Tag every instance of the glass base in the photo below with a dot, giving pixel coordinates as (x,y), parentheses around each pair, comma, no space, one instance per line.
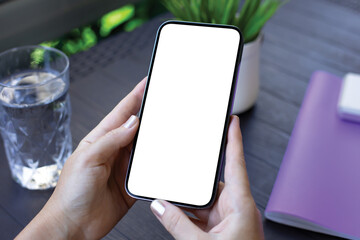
(36,178)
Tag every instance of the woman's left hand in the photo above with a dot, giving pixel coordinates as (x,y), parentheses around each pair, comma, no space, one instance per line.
(90,197)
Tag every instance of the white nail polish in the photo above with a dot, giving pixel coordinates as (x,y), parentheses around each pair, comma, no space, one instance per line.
(130,122)
(158,208)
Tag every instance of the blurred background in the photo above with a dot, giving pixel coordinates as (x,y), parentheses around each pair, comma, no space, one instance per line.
(70,25)
(76,25)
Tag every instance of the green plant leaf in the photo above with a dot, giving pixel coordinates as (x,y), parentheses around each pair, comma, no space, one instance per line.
(243,10)
(176,8)
(195,10)
(264,13)
(227,11)
(134,23)
(251,18)
(205,11)
(233,11)
(182,10)
(219,10)
(115,18)
(213,11)
(251,9)
(188,10)
(168,4)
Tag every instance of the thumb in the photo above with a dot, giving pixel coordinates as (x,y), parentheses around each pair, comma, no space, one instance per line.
(105,147)
(175,220)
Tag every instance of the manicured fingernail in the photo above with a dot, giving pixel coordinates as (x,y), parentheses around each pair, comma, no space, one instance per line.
(157,207)
(130,122)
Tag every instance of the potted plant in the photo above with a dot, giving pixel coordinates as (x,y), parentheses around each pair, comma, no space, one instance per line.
(249,16)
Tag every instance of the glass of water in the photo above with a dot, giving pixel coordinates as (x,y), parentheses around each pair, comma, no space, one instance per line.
(35,114)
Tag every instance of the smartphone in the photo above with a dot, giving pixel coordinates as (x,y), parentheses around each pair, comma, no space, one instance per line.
(178,150)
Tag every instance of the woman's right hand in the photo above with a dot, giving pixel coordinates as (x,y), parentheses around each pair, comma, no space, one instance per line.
(234,214)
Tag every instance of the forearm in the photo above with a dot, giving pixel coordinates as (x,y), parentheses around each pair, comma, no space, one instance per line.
(50,223)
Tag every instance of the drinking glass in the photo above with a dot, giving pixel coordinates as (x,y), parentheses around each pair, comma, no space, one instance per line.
(35,114)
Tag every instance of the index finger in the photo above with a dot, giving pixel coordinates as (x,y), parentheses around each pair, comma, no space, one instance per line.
(235,167)
(130,105)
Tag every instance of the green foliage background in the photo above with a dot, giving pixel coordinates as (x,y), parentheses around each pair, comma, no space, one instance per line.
(249,15)
(126,18)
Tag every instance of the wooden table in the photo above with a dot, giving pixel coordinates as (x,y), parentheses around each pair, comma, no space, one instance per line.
(305,35)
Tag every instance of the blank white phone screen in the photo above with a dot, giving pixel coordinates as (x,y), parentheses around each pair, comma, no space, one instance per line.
(184,114)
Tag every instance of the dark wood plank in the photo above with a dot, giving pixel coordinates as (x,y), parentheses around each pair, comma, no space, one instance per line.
(20,203)
(276,112)
(328,11)
(282,85)
(140,223)
(82,120)
(337,34)
(262,140)
(292,62)
(9,227)
(99,92)
(311,47)
(115,234)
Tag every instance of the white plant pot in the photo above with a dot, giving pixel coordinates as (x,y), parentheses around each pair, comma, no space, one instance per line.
(247,87)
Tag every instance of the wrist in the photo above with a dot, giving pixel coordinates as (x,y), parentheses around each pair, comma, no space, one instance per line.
(51,223)
(64,226)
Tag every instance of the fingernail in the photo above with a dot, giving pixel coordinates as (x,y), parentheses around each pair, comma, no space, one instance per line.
(130,122)
(157,207)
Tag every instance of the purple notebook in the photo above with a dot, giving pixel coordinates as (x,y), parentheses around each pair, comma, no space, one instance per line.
(318,184)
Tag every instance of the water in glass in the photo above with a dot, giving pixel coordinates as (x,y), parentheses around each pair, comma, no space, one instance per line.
(35,126)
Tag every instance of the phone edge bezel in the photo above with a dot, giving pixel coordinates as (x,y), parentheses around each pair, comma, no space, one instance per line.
(227,117)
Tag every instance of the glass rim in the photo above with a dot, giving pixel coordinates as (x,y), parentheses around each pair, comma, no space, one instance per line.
(34,47)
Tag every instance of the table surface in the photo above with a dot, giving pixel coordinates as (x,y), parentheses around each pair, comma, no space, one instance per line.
(304,36)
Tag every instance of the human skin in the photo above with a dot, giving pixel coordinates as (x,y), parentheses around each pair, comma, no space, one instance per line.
(90,198)
(234,214)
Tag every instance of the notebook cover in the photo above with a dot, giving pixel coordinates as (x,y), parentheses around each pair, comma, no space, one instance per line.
(319,178)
